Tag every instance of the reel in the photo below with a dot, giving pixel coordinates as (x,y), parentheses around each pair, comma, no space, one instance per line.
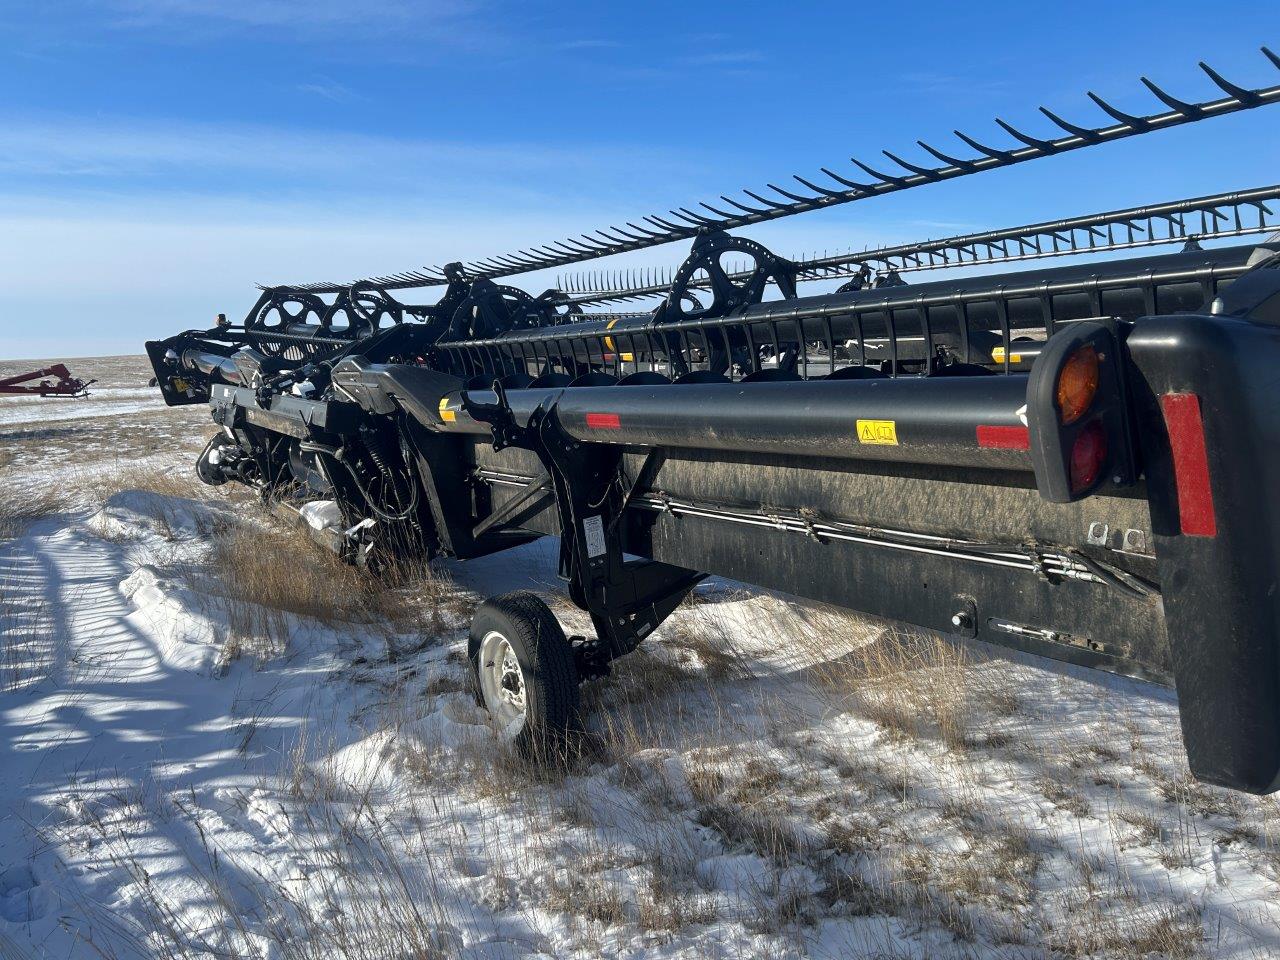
(727,293)
(489,310)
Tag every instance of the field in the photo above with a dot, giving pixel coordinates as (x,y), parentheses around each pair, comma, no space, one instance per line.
(220,743)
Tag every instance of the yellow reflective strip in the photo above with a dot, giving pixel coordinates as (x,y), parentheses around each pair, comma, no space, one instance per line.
(882,432)
(997,355)
(447,415)
(608,341)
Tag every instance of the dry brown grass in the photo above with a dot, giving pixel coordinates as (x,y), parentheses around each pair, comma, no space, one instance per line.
(264,581)
(26,628)
(914,685)
(21,507)
(285,572)
(180,484)
(1171,933)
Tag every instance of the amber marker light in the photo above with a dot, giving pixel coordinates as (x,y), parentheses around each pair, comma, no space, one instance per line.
(1077,384)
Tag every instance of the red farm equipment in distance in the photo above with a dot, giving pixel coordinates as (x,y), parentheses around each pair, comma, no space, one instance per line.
(53,381)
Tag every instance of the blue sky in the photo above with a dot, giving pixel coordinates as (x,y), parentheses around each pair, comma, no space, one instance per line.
(158,157)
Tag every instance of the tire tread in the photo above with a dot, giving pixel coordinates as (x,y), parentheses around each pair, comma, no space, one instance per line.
(526,620)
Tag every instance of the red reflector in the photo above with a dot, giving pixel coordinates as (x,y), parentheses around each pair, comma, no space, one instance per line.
(1004,438)
(603,421)
(1088,454)
(1190,464)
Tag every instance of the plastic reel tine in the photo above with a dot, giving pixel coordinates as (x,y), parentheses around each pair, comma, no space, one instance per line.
(501,264)
(965,165)
(1004,156)
(521,258)
(895,181)
(824,191)
(696,219)
(1128,119)
(750,211)
(1084,133)
(508,264)
(481,266)
(724,217)
(767,202)
(1026,138)
(865,189)
(1173,103)
(657,221)
(579,248)
(917,170)
(652,234)
(1229,88)
(793,196)
(563,248)
(633,237)
(610,237)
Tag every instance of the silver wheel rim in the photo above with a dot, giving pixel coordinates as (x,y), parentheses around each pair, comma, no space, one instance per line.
(502,685)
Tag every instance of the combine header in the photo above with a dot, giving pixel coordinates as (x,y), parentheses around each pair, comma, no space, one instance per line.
(1073,460)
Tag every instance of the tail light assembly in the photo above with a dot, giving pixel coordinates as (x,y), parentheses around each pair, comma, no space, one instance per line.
(1077,414)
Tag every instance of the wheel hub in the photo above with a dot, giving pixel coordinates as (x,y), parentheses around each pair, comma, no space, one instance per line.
(511,680)
(502,684)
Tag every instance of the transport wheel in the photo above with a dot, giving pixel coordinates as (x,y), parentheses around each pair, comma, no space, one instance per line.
(524,673)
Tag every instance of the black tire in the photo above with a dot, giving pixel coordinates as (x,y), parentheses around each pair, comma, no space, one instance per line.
(548,673)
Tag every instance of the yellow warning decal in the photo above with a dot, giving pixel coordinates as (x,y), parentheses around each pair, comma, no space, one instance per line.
(883,432)
(997,355)
(447,415)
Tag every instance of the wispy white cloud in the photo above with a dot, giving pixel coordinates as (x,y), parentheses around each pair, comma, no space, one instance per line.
(74,154)
(724,58)
(589,44)
(329,90)
(388,14)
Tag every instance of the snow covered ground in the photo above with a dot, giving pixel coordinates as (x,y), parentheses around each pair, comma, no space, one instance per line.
(206,757)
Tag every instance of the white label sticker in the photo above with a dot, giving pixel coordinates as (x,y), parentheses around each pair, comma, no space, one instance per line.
(594,529)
